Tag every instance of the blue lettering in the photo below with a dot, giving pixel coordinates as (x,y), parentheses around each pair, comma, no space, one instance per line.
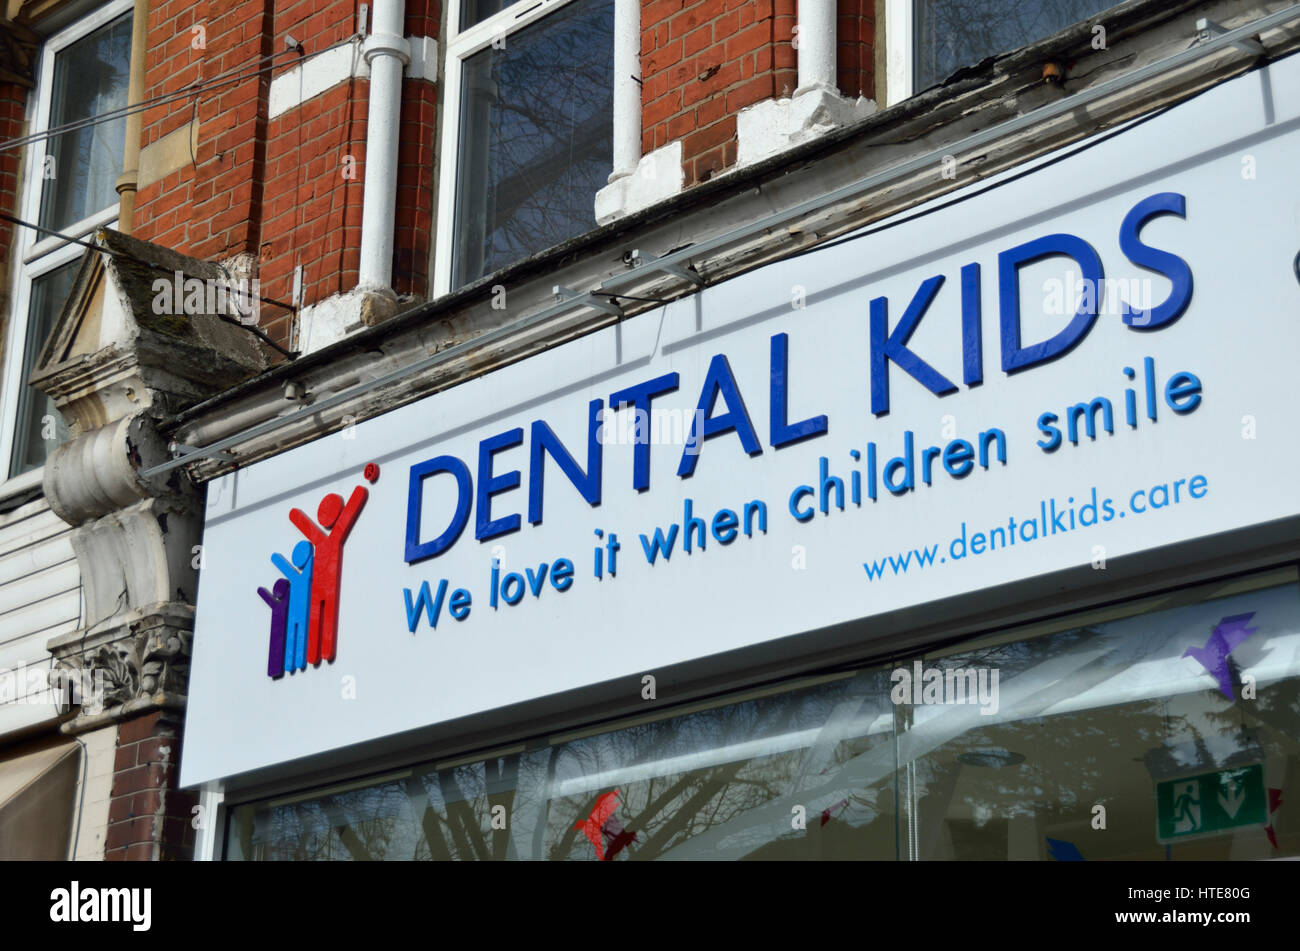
(544,440)
(1162,262)
(719,380)
(885,346)
(415,549)
(1015,357)
(781,432)
(490,485)
(639,397)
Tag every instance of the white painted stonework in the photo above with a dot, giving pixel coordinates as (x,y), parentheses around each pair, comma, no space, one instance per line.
(320,73)
(658,176)
(774,125)
(330,320)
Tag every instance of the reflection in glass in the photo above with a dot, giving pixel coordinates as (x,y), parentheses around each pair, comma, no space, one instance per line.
(476,11)
(955,33)
(536,139)
(40,426)
(1090,711)
(807,774)
(82,166)
(1099,715)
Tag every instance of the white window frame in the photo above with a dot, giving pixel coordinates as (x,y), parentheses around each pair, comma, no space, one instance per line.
(899,50)
(460,47)
(36,254)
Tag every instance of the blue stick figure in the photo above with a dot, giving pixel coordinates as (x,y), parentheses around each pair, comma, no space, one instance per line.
(295,628)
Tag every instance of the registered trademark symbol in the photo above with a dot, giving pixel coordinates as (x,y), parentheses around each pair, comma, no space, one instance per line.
(371,472)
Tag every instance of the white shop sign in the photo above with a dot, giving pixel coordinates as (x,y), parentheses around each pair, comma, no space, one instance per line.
(1106,365)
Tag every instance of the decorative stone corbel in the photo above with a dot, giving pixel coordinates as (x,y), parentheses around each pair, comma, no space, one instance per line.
(118,363)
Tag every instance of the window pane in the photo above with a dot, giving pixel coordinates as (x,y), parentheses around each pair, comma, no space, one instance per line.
(90,79)
(1131,715)
(1180,722)
(955,33)
(720,783)
(40,426)
(535,139)
(476,11)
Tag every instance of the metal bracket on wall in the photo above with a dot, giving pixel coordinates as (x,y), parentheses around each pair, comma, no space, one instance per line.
(638,258)
(1207,29)
(565,295)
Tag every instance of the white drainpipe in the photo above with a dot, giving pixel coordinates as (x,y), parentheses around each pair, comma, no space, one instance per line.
(627,91)
(816,44)
(386,53)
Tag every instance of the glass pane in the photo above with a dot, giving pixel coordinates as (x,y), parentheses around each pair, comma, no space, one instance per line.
(1179,723)
(90,79)
(806,774)
(1174,723)
(955,33)
(40,426)
(476,11)
(536,140)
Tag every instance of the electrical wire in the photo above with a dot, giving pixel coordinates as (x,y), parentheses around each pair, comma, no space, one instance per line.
(292,355)
(122,112)
(194,90)
(1090,143)
(894,222)
(230,77)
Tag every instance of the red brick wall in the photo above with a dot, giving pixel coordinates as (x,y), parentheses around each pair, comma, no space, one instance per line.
(702,61)
(149,819)
(287,190)
(856,49)
(313,212)
(208,208)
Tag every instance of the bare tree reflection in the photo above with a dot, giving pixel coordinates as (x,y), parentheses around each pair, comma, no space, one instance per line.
(536,138)
(956,33)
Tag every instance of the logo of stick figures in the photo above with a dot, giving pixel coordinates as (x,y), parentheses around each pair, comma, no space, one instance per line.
(305,602)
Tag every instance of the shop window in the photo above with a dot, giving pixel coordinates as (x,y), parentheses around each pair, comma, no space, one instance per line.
(1120,736)
(1169,724)
(931,39)
(529,131)
(69,187)
(709,783)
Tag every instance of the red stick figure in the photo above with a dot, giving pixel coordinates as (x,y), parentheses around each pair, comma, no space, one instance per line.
(336,521)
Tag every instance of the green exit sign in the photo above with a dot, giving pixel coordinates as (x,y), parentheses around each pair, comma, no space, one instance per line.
(1210,803)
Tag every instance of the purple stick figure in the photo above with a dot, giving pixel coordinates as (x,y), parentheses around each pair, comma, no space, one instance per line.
(279,603)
